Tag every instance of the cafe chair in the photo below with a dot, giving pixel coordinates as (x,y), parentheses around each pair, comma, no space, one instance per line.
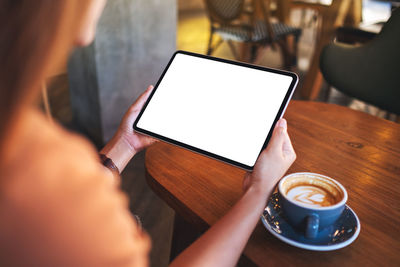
(369,72)
(240,21)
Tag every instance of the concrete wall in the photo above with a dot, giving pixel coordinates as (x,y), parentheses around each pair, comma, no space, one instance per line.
(134,41)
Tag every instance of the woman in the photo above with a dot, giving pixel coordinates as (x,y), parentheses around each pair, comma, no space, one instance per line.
(58,205)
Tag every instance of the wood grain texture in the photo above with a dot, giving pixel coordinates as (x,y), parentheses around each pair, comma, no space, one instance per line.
(361,151)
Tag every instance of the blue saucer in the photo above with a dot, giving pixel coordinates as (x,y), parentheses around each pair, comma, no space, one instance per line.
(342,233)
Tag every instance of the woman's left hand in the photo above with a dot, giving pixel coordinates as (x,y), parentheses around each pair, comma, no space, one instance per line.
(126,142)
(136,141)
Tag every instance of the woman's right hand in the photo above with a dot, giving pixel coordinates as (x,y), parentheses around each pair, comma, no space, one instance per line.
(224,242)
(273,161)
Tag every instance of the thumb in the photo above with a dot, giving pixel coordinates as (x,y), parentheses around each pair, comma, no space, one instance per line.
(278,135)
(287,147)
(141,99)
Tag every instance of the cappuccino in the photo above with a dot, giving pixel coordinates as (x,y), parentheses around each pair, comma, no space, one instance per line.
(312,191)
(311,196)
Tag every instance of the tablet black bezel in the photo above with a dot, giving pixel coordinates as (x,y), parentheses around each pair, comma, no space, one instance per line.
(282,108)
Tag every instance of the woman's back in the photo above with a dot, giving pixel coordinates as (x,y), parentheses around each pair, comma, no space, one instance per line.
(59,206)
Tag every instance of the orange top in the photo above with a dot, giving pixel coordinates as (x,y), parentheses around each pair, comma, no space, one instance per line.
(59,206)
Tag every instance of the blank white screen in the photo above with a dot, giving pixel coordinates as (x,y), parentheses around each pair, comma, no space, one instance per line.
(221,108)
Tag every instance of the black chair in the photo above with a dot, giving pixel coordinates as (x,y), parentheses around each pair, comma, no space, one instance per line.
(370,72)
(238,21)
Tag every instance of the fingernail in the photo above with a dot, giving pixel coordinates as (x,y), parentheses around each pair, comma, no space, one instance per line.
(149,89)
(282,123)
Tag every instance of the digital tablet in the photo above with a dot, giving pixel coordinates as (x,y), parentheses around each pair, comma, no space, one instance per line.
(219,108)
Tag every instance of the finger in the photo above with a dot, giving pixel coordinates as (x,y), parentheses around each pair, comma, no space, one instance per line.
(278,134)
(149,89)
(287,146)
(275,144)
(142,99)
(281,123)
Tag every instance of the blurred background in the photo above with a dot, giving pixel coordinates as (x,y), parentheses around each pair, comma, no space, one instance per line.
(135,39)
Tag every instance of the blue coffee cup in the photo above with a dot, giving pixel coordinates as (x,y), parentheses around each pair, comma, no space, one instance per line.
(311,201)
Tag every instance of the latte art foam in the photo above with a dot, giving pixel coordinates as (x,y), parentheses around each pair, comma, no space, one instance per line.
(311,196)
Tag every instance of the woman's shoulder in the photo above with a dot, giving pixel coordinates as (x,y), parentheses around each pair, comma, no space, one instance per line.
(40,137)
(42,151)
(48,139)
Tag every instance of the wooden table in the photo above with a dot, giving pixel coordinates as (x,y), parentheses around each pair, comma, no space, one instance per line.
(359,150)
